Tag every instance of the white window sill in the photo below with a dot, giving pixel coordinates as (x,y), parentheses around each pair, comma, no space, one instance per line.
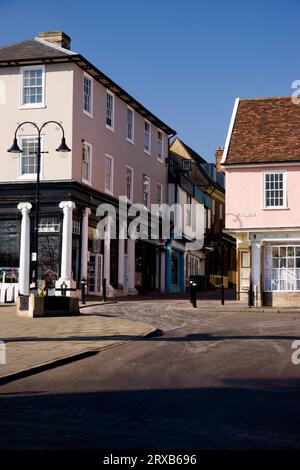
(147,152)
(111,129)
(29,177)
(107,191)
(130,141)
(33,106)
(86,182)
(276,208)
(160,160)
(88,114)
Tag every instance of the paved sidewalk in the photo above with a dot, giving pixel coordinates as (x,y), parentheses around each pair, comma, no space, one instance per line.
(39,341)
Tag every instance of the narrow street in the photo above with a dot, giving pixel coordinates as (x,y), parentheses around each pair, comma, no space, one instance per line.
(213,378)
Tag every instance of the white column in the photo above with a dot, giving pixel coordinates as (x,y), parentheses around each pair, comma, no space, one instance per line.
(162,271)
(106,268)
(24,268)
(84,242)
(256,271)
(131,267)
(121,260)
(66,251)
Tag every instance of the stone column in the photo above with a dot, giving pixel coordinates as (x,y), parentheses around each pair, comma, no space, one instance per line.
(24,267)
(66,251)
(106,268)
(256,271)
(162,271)
(131,267)
(84,243)
(121,261)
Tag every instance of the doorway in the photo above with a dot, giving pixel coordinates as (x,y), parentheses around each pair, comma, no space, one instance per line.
(95,274)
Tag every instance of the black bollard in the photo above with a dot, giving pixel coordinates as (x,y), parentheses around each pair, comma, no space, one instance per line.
(194,294)
(104,290)
(83,291)
(191,291)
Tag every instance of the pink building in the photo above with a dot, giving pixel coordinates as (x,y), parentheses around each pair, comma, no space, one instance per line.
(262,166)
(118,148)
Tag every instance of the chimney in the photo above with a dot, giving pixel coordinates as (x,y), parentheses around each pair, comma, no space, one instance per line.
(218,157)
(58,38)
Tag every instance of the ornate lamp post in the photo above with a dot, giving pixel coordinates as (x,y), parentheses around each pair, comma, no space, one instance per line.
(16,149)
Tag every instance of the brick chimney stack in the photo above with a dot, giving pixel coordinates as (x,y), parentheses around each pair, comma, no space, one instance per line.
(59,38)
(218,157)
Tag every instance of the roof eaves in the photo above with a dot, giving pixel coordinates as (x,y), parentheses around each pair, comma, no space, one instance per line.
(83,63)
(87,66)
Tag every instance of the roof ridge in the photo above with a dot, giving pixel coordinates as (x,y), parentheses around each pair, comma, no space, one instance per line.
(267,98)
(16,43)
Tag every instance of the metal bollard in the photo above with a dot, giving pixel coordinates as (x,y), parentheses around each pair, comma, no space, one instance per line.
(63,288)
(104,290)
(83,284)
(193,293)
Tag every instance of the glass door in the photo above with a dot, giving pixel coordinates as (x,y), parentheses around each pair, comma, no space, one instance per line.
(95,274)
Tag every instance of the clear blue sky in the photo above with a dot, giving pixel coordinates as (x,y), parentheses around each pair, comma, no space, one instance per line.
(186,60)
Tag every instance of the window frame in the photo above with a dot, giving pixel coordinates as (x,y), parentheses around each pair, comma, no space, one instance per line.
(129,108)
(284,189)
(112,127)
(148,152)
(132,179)
(146,178)
(30,176)
(281,275)
(109,191)
(88,77)
(32,105)
(159,185)
(89,145)
(159,131)
(189,208)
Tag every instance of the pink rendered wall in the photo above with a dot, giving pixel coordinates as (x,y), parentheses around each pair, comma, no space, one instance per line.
(103,140)
(245,198)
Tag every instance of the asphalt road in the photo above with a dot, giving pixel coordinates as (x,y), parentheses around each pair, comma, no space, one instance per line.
(213,380)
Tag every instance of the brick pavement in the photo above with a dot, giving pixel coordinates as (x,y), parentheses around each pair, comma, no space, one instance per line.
(31,342)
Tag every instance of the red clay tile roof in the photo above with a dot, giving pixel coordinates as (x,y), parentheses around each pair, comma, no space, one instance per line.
(265,130)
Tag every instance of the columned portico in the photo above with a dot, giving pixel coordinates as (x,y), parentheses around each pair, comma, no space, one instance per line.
(84,243)
(66,251)
(24,268)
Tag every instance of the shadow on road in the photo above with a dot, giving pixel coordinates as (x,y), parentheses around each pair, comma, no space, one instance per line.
(202,418)
(205,337)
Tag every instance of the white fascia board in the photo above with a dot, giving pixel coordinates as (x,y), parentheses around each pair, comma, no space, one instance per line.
(235,107)
(54,46)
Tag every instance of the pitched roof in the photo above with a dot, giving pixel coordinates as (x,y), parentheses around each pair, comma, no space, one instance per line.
(35,51)
(180,147)
(265,130)
(31,49)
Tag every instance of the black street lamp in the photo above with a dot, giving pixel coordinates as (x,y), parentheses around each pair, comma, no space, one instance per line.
(16,149)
